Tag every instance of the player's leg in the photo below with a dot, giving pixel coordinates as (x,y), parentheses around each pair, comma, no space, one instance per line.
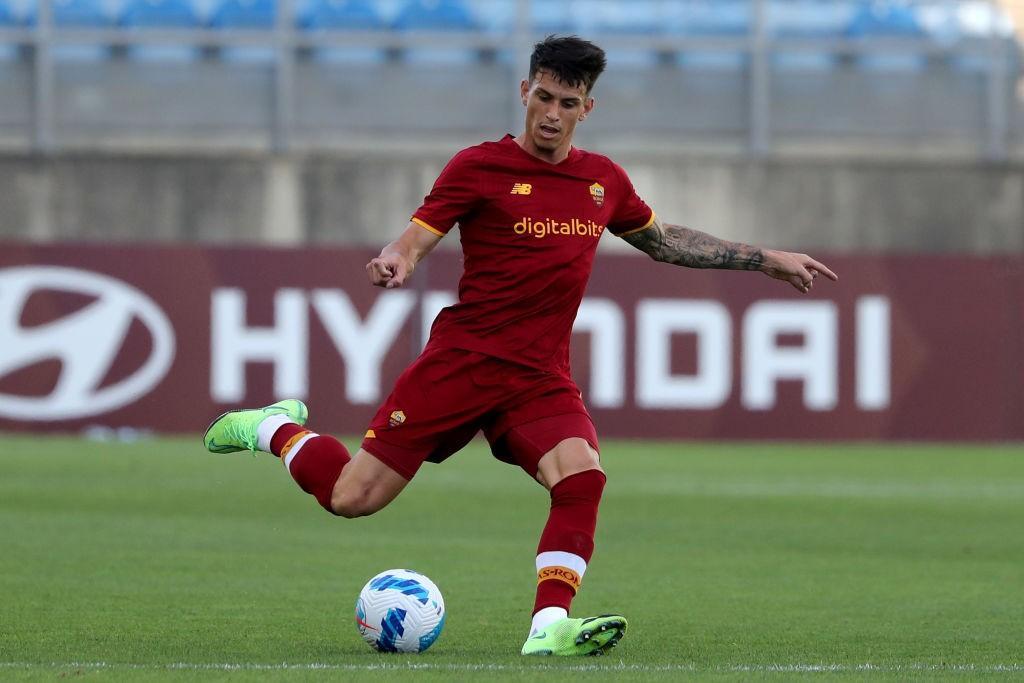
(440,421)
(319,464)
(561,453)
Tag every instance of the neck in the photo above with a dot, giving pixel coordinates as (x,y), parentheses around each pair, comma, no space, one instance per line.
(552,156)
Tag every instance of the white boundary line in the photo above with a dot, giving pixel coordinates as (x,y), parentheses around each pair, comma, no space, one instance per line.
(621,666)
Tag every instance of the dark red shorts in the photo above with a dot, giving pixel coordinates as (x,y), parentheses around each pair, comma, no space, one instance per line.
(446,396)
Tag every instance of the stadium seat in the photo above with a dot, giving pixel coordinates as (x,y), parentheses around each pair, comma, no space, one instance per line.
(81,13)
(150,14)
(8,52)
(813,19)
(158,14)
(250,14)
(245,14)
(641,18)
(7,16)
(709,18)
(889,19)
(550,17)
(437,15)
(342,15)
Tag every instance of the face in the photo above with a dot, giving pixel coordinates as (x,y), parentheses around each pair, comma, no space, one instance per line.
(552,111)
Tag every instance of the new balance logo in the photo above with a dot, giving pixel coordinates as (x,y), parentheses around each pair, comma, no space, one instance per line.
(522,188)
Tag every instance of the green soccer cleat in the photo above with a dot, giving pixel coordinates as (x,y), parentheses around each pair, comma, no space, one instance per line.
(235,430)
(578,637)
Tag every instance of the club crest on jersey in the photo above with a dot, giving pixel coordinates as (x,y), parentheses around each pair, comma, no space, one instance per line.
(597,193)
(521,188)
(397,418)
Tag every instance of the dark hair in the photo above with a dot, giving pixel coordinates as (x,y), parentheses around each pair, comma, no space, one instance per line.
(570,59)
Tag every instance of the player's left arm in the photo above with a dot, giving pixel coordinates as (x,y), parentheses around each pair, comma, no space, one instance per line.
(683,246)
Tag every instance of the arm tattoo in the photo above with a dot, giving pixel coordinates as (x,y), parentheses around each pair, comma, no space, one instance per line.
(694,249)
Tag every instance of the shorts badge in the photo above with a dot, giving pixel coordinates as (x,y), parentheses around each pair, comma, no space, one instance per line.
(597,193)
(397,418)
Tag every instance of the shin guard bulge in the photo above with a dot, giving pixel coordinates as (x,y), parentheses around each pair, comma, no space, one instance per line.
(567,543)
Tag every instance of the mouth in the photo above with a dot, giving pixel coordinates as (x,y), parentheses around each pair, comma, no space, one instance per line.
(548,131)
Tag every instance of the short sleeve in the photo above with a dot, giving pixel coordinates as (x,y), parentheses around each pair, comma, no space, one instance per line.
(631,213)
(454,196)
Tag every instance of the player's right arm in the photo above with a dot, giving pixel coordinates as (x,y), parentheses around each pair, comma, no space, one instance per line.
(455,195)
(399,258)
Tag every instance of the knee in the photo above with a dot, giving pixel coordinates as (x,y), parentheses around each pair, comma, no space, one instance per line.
(572,456)
(350,504)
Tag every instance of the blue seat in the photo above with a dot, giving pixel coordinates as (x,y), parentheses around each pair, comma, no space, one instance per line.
(147,14)
(246,14)
(346,15)
(437,15)
(342,15)
(81,13)
(7,19)
(808,19)
(884,18)
(550,17)
(638,17)
(159,14)
(251,14)
(877,18)
(6,16)
(710,18)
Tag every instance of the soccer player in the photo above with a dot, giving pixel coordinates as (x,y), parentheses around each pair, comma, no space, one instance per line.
(530,211)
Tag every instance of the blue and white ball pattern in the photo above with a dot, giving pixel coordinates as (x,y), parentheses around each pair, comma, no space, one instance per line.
(400,611)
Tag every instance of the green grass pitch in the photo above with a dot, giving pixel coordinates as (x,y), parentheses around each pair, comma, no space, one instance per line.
(157,561)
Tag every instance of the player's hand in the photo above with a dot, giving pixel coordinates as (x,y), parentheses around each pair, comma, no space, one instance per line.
(388,271)
(799,270)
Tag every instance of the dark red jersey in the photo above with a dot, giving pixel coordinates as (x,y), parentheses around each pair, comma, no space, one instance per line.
(529,231)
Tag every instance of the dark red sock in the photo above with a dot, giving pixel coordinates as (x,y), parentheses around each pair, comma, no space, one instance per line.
(283,435)
(570,529)
(317,464)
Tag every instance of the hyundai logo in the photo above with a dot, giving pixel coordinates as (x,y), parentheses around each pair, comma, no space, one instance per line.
(87,343)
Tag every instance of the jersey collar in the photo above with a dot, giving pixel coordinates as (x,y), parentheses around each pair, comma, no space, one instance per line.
(571,158)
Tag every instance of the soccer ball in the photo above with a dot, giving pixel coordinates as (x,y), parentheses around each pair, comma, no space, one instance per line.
(400,611)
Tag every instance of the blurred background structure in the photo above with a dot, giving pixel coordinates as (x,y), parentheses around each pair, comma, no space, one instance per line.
(807,123)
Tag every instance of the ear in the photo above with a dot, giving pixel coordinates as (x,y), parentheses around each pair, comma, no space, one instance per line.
(524,90)
(588,106)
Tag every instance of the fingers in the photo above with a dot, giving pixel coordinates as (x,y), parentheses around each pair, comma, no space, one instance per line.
(380,272)
(814,266)
(398,276)
(800,284)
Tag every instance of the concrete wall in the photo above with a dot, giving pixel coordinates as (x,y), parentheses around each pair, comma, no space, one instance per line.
(366,198)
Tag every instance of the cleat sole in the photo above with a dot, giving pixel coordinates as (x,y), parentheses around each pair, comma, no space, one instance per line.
(605,637)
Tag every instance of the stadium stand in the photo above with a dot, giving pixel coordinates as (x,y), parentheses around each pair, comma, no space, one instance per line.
(894,58)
